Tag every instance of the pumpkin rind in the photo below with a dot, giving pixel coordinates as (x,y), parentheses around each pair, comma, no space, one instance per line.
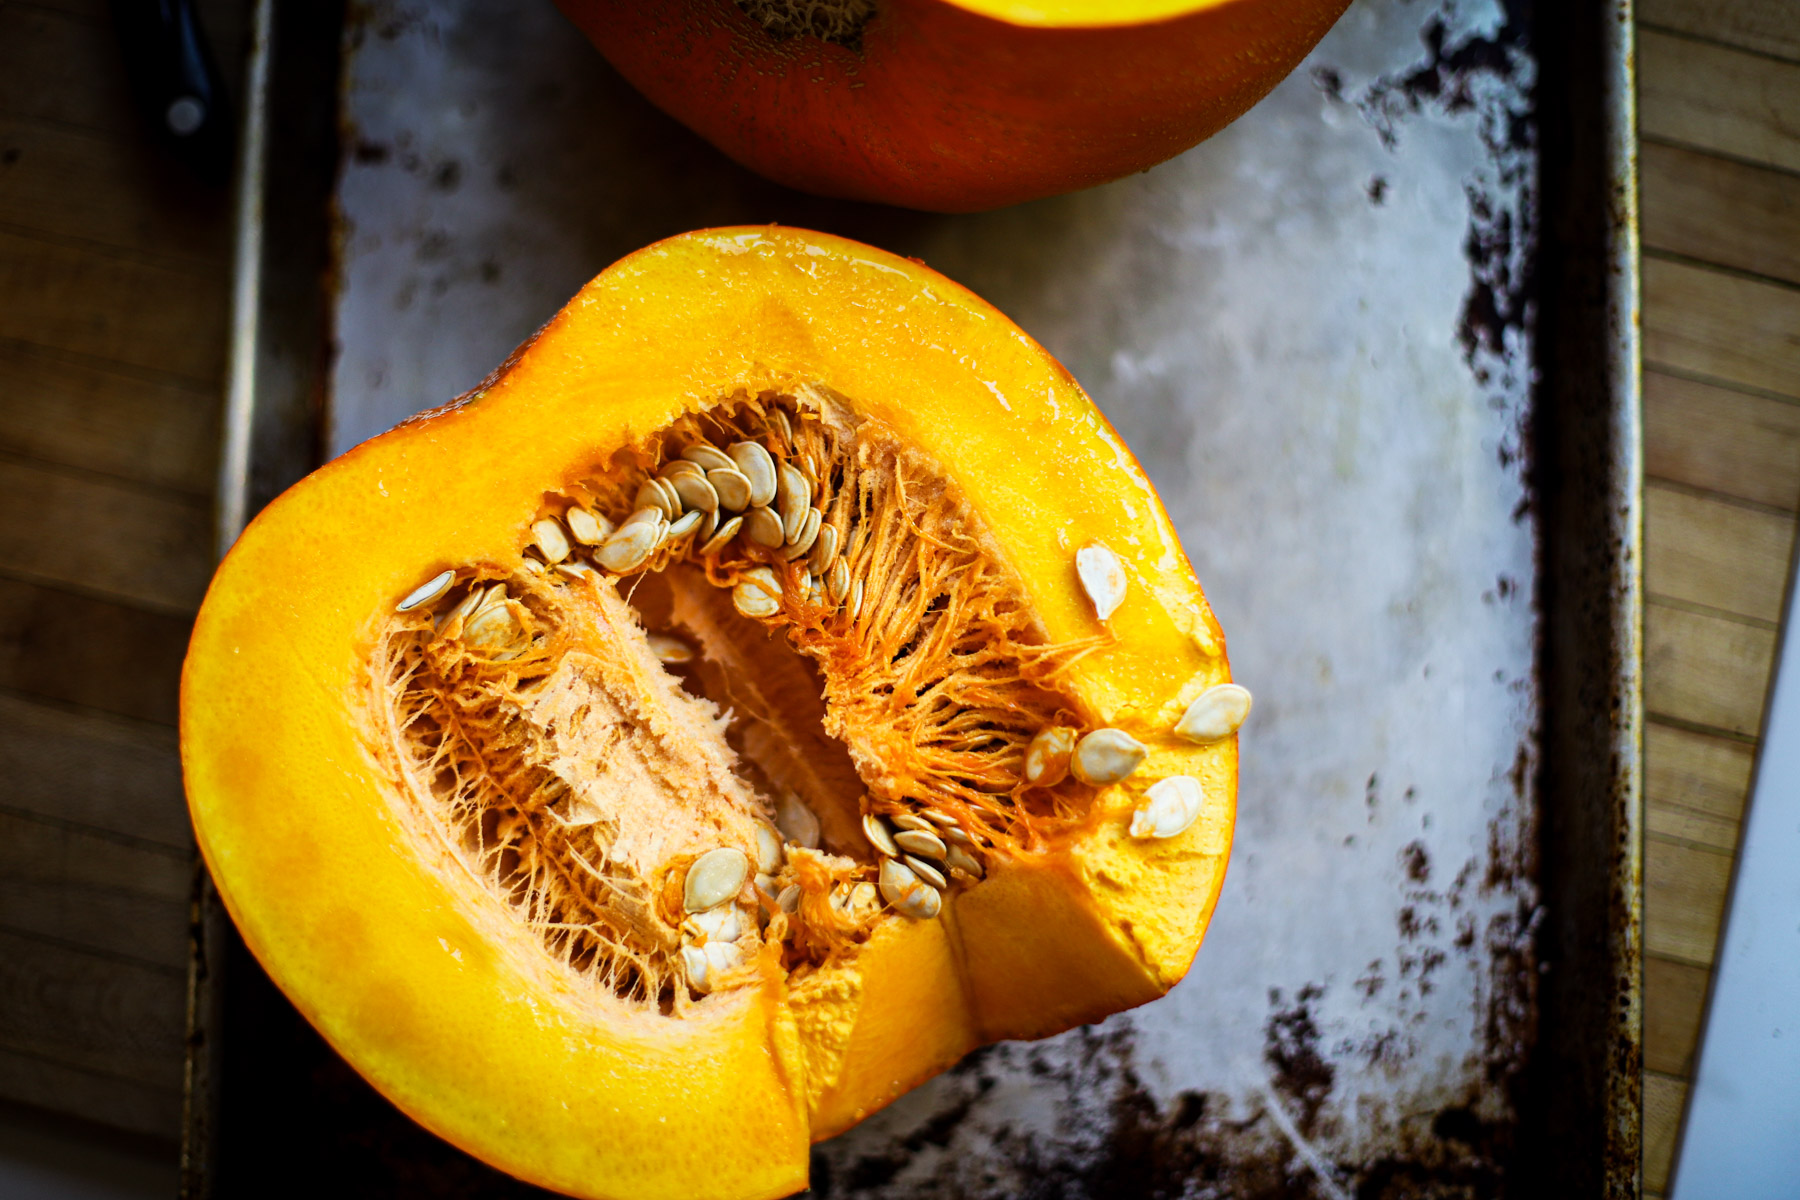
(429,989)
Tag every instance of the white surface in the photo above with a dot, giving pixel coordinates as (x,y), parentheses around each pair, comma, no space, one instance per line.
(1742,1138)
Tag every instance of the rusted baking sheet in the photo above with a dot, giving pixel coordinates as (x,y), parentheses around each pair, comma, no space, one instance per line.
(1375,345)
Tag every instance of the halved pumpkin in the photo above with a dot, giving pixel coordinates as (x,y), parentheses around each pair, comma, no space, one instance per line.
(953,105)
(630,830)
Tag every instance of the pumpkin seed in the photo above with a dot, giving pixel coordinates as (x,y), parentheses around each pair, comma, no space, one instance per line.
(428,591)
(912,821)
(856,599)
(1168,808)
(654,493)
(709,525)
(961,861)
(732,487)
(837,581)
(723,956)
(939,818)
(757,466)
(492,628)
(723,923)
(669,649)
(707,457)
(575,569)
(768,850)
(465,608)
(679,466)
(956,836)
(917,841)
(552,543)
(798,823)
(795,497)
(688,522)
(1047,757)
(695,491)
(863,897)
(909,895)
(824,550)
(714,878)
(764,528)
(724,534)
(630,546)
(535,566)
(789,900)
(1102,578)
(784,429)
(1215,714)
(879,837)
(693,961)
(649,514)
(1106,756)
(839,896)
(927,871)
(585,527)
(758,593)
(803,541)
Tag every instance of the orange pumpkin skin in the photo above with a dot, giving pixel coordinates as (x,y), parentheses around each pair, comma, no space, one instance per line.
(427,986)
(949,110)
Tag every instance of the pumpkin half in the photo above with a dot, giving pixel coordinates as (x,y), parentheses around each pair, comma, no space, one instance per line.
(953,105)
(776,680)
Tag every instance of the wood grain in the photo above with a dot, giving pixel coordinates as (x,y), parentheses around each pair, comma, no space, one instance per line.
(1722,440)
(1664,1097)
(1705,774)
(91,652)
(1716,553)
(93,771)
(113,306)
(88,891)
(1737,331)
(1684,193)
(76,412)
(1684,897)
(140,546)
(61,69)
(1740,105)
(1674,998)
(117,1019)
(128,1104)
(1767,26)
(1703,669)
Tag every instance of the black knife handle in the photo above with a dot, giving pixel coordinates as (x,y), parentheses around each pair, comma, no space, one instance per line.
(175,82)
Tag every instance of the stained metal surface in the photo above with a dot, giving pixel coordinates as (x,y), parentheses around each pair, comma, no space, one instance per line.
(1317,331)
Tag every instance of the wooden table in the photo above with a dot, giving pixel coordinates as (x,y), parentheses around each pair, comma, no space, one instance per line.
(113,292)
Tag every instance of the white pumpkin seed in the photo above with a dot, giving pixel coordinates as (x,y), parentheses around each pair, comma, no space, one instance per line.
(723,923)
(824,550)
(917,841)
(680,466)
(1106,756)
(695,491)
(757,466)
(687,523)
(768,850)
(879,837)
(955,836)
(733,489)
(798,823)
(707,456)
(670,649)
(723,956)
(961,861)
(693,961)
(1215,714)
(465,608)
(784,428)
(630,546)
(1169,806)
(535,566)
(763,528)
(492,628)
(552,543)
(649,514)
(428,591)
(575,569)
(927,871)
(789,900)
(939,818)
(909,895)
(721,536)
(856,599)
(839,896)
(758,593)
(1102,578)
(837,581)
(796,498)
(803,541)
(714,878)
(912,821)
(1047,757)
(654,493)
(863,897)
(585,527)
(709,525)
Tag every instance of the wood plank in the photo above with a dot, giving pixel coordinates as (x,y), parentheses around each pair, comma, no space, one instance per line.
(62,69)
(108,306)
(1684,899)
(95,771)
(1713,98)
(91,652)
(1674,999)
(1722,440)
(119,540)
(87,890)
(1706,670)
(1767,26)
(1717,553)
(1686,825)
(1719,211)
(122,1020)
(1663,1100)
(153,1109)
(80,185)
(1703,774)
(79,413)
(1737,331)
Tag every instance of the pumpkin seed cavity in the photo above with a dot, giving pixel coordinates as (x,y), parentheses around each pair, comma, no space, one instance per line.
(755,685)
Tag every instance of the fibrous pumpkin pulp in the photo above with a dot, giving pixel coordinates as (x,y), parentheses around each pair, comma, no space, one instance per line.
(953,105)
(774,682)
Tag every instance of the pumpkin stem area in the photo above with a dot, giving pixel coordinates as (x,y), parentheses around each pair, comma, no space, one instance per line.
(751,687)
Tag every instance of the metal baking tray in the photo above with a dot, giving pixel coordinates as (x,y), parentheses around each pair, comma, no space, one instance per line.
(1375,343)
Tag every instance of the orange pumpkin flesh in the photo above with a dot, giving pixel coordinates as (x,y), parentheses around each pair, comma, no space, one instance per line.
(953,105)
(390,802)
